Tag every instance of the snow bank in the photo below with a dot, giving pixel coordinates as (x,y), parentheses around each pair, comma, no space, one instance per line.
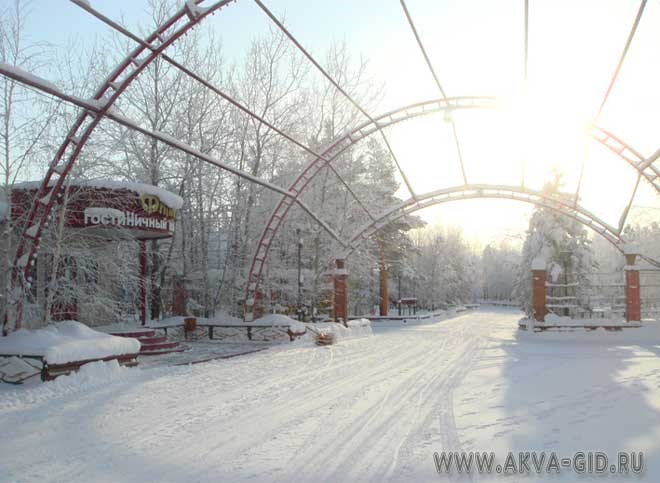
(67,341)
(636,336)
(552,320)
(90,377)
(562,321)
(279,319)
(356,328)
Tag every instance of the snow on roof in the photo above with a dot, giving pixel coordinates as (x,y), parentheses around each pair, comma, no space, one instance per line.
(170,199)
(66,341)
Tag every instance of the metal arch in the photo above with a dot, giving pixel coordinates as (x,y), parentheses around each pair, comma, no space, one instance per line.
(325,74)
(622,58)
(218,92)
(52,186)
(328,155)
(170,141)
(465,192)
(635,159)
(187,17)
(644,166)
(420,44)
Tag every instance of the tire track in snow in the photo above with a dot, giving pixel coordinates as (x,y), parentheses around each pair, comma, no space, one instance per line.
(357,430)
(287,413)
(386,434)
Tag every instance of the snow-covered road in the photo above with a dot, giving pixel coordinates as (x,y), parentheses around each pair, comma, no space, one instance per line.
(371,409)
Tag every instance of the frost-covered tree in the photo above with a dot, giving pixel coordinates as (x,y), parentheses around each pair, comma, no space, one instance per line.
(445,268)
(499,264)
(562,242)
(25,121)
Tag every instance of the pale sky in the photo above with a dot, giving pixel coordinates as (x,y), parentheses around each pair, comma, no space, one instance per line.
(476,47)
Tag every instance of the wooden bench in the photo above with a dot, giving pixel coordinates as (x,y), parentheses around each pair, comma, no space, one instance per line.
(51,371)
(286,329)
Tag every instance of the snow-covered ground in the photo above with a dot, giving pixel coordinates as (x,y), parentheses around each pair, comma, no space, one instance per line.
(373,408)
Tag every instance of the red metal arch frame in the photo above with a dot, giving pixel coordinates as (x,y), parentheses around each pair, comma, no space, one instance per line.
(643,166)
(465,192)
(52,186)
(328,155)
(148,50)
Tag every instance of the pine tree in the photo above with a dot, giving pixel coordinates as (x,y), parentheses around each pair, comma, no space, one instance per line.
(562,242)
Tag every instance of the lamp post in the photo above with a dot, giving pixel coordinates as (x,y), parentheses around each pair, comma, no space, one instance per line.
(300,282)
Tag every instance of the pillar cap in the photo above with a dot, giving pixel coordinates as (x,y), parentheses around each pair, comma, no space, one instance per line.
(538,263)
(630,249)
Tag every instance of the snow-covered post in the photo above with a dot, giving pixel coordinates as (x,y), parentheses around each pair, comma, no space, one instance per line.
(340,278)
(143,282)
(384,297)
(538,289)
(179,306)
(633,302)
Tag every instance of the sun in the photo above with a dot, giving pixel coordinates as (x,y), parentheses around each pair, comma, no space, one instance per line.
(549,131)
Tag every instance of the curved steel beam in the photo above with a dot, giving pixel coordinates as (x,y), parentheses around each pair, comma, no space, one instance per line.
(128,34)
(164,138)
(635,159)
(52,186)
(644,166)
(337,147)
(517,193)
(339,88)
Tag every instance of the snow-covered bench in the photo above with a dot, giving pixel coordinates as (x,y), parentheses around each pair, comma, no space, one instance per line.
(64,347)
(556,323)
(292,328)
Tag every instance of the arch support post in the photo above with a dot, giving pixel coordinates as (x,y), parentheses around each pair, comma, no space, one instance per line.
(633,299)
(384,297)
(382,269)
(538,289)
(143,282)
(340,297)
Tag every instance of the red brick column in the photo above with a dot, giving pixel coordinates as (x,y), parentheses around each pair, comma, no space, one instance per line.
(179,305)
(538,290)
(258,308)
(143,282)
(340,304)
(384,297)
(633,301)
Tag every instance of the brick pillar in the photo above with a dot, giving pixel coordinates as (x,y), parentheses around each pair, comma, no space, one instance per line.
(258,309)
(384,297)
(143,282)
(179,306)
(538,290)
(633,301)
(341,291)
